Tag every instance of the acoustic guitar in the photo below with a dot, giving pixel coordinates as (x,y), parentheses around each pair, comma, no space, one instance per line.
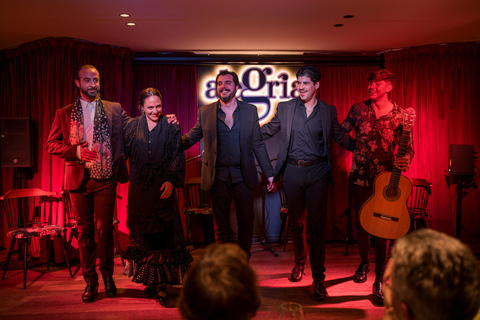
(385,213)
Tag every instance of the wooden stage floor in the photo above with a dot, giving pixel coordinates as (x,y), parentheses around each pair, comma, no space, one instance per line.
(54,295)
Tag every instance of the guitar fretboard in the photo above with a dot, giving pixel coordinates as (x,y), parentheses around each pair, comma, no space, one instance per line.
(396,173)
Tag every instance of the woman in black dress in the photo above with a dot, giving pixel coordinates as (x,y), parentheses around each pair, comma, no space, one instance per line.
(157,167)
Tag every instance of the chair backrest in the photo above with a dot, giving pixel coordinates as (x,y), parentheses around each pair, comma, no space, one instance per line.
(67,206)
(28,207)
(418,200)
(195,197)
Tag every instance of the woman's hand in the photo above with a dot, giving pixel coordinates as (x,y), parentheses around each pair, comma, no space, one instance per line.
(167,188)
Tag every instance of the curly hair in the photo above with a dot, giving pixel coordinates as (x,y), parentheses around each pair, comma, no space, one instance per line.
(382,74)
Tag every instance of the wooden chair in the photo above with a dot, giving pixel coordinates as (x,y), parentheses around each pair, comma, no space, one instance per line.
(29,214)
(197,202)
(71,223)
(418,201)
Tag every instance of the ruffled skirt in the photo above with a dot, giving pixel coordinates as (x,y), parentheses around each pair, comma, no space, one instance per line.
(159,257)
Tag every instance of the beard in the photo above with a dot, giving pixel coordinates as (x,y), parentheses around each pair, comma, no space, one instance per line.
(91,94)
(227,98)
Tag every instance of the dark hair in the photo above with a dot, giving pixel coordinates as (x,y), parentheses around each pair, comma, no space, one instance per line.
(86,66)
(226,72)
(147,93)
(221,285)
(382,74)
(309,71)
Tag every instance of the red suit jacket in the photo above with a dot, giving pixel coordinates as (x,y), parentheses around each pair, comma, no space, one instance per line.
(58,143)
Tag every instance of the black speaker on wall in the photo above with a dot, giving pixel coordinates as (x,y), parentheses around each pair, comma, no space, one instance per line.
(16,142)
(461,159)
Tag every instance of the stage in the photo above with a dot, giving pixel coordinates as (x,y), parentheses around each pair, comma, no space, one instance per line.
(54,295)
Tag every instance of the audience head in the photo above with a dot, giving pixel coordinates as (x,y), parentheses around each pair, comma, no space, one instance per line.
(431,276)
(220,286)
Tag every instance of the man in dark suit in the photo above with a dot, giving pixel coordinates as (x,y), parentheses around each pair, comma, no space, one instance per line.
(88,134)
(306,126)
(231,134)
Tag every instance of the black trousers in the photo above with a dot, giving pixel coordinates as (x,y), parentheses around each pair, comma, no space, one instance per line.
(359,196)
(307,188)
(94,204)
(221,194)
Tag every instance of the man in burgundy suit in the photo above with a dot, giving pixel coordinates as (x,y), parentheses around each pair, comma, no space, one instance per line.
(88,134)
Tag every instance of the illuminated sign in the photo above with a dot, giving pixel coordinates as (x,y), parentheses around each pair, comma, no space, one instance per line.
(262,85)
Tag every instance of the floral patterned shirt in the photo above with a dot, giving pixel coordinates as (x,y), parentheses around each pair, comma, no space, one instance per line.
(375,139)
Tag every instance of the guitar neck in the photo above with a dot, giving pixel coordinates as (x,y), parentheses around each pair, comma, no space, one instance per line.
(402,151)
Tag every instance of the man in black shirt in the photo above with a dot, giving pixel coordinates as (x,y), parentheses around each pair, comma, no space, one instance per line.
(307,126)
(231,134)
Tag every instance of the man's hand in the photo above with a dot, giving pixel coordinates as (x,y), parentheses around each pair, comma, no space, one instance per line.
(85,154)
(402,163)
(270,184)
(167,188)
(172,118)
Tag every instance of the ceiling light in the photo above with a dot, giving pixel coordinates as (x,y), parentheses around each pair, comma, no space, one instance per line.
(124,15)
(245,52)
(131,24)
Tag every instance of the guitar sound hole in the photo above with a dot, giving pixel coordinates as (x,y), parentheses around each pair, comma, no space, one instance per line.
(391,194)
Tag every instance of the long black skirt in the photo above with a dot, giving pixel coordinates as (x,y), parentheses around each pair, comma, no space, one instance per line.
(159,257)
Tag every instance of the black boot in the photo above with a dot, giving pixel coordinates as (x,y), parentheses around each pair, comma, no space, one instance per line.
(360,275)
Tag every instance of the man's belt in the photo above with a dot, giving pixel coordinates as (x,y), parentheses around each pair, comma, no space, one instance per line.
(305,163)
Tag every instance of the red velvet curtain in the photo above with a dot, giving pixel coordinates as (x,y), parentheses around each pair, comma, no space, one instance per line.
(341,86)
(442,83)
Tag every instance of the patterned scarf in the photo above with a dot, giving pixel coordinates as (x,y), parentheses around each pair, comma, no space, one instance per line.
(102,167)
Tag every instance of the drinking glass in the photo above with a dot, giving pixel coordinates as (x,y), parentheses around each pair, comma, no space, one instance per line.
(291,310)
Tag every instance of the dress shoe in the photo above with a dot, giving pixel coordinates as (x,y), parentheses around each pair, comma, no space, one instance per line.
(377,292)
(297,273)
(361,273)
(162,295)
(90,292)
(319,290)
(110,287)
